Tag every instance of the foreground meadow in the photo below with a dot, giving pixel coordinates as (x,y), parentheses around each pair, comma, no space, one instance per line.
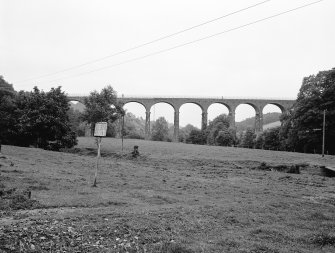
(172,198)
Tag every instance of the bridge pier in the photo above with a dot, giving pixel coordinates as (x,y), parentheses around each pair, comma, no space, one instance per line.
(259,121)
(204,119)
(176,126)
(147,124)
(231,117)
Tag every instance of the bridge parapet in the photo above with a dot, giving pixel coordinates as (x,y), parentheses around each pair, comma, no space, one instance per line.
(204,103)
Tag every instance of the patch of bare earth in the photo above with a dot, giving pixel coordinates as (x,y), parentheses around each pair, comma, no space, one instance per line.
(172,198)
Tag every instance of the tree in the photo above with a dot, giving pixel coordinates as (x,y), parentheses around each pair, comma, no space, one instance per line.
(102,106)
(196,136)
(75,121)
(34,118)
(224,138)
(160,130)
(220,123)
(259,140)
(302,125)
(271,139)
(287,139)
(134,127)
(248,138)
(7,108)
(184,132)
(42,120)
(4,85)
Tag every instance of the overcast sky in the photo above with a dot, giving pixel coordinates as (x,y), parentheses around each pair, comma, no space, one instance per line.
(267,59)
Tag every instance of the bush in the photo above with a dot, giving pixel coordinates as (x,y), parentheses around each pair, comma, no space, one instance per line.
(196,137)
(17,200)
(271,139)
(40,120)
(224,138)
(259,140)
(292,169)
(248,138)
(323,239)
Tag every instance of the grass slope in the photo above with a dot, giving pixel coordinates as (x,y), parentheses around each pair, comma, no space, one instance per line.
(173,198)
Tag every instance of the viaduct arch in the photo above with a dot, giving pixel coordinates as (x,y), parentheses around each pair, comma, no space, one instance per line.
(203,103)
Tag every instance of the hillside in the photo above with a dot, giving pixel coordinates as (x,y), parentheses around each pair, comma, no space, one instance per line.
(173,198)
(249,122)
(271,125)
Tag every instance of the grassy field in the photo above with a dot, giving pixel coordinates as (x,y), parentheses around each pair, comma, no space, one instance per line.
(172,198)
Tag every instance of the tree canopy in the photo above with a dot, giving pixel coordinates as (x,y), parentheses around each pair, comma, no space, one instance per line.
(219,133)
(35,118)
(134,127)
(248,138)
(7,108)
(271,139)
(160,130)
(224,137)
(196,136)
(42,118)
(4,85)
(185,132)
(302,125)
(102,106)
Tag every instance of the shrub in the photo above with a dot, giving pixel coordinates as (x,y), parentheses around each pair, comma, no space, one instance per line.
(196,137)
(16,200)
(41,120)
(323,239)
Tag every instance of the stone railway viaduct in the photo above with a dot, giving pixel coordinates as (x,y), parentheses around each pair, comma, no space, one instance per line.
(203,103)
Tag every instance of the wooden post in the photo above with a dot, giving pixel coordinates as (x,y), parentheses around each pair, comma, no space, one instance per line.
(100,130)
(323,133)
(97,163)
(122,131)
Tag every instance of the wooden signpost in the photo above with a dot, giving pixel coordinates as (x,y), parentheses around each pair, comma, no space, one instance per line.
(122,132)
(100,130)
(323,133)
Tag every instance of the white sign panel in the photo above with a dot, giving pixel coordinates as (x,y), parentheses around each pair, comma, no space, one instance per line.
(100,129)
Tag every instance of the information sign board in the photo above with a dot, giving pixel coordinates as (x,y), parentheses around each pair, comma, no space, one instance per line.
(100,129)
